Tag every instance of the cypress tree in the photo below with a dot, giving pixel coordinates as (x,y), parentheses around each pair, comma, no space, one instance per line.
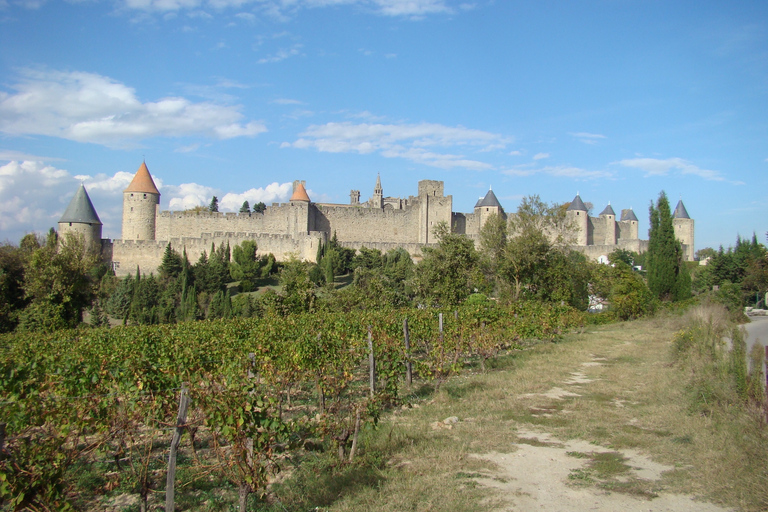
(664,255)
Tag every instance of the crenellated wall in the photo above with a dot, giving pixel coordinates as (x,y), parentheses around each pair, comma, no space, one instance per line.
(147,255)
(295,229)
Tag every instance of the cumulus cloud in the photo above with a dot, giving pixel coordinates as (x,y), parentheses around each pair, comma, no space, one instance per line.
(272,193)
(416,142)
(663,167)
(87,107)
(540,156)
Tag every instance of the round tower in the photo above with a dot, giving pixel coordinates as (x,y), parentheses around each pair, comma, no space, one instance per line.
(80,218)
(140,203)
(577,213)
(609,219)
(683,226)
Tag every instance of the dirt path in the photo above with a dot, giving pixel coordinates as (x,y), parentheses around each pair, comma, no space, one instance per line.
(543,472)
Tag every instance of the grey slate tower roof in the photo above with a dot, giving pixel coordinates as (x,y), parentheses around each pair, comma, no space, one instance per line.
(608,211)
(628,215)
(489,200)
(680,211)
(577,204)
(81,209)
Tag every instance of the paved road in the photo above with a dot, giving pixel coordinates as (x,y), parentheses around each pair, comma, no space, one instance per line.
(757,332)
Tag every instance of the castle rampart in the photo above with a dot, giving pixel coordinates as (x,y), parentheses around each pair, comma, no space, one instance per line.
(296,228)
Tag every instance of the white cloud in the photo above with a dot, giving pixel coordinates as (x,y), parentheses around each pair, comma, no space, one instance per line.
(540,156)
(87,107)
(272,193)
(287,101)
(282,9)
(587,138)
(516,152)
(662,167)
(282,54)
(409,141)
(562,171)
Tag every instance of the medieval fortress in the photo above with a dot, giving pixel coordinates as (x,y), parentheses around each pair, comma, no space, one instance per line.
(297,227)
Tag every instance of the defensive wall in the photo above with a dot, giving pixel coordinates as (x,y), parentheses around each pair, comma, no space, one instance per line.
(298,227)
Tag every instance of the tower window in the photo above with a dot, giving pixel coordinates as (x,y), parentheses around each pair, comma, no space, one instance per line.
(145,196)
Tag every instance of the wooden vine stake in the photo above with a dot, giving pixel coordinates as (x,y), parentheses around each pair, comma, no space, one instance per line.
(371,363)
(181,419)
(408,364)
(354,437)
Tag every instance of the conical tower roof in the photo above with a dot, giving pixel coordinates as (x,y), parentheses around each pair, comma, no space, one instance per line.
(577,204)
(142,182)
(80,209)
(628,214)
(489,200)
(608,211)
(680,211)
(299,193)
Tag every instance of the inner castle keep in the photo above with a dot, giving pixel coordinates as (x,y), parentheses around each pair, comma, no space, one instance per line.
(297,227)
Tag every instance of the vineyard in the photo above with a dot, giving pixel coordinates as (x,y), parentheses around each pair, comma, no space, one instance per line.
(244,393)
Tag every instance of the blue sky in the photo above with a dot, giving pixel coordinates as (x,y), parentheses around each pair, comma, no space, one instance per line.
(615,100)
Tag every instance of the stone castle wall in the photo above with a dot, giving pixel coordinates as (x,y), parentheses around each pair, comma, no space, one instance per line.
(298,227)
(358,225)
(128,255)
(276,220)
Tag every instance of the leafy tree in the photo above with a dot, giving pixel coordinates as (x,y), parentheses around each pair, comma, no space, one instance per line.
(12,299)
(259,207)
(368,259)
(447,273)
(621,255)
(57,281)
(246,208)
(665,255)
(298,289)
(214,206)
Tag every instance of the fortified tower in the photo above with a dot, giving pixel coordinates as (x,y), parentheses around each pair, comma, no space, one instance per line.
(629,225)
(683,226)
(141,200)
(298,216)
(80,218)
(578,214)
(608,216)
(488,206)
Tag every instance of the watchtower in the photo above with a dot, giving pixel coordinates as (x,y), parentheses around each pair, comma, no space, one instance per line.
(141,201)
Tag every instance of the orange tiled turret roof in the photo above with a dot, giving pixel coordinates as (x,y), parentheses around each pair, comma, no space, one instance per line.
(142,182)
(299,193)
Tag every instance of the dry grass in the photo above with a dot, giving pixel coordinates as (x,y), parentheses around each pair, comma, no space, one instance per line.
(622,389)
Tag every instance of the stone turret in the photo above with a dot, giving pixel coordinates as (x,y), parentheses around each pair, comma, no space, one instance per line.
(488,206)
(608,216)
(80,218)
(629,225)
(141,201)
(578,214)
(683,225)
